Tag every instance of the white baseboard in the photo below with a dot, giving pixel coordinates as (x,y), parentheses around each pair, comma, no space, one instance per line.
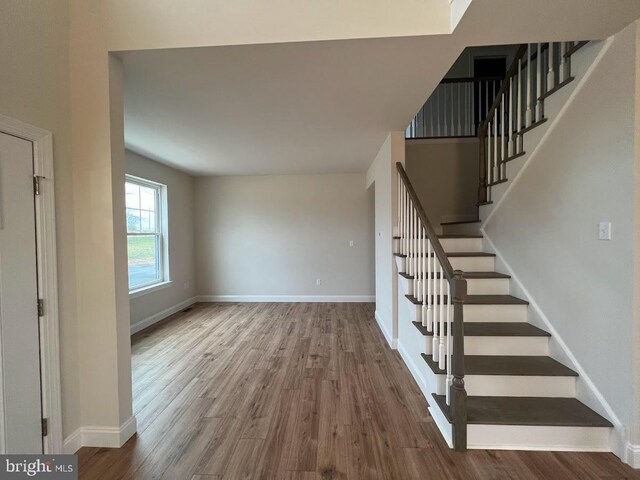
(105,437)
(288,298)
(147,322)
(632,456)
(72,443)
(393,342)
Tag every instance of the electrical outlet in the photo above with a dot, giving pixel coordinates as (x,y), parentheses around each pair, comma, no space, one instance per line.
(318,281)
(604,231)
(187,284)
(351,243)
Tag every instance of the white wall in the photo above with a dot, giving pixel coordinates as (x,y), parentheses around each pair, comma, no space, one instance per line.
(546,228)
(382,175)
(180,214)
(444,174)
(275,235)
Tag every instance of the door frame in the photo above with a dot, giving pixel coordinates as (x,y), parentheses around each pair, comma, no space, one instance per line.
(42,141)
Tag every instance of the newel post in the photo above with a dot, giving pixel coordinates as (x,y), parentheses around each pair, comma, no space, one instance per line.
(457,392)
(482,167)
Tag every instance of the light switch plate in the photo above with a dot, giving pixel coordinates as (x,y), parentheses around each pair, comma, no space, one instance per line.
(604,231)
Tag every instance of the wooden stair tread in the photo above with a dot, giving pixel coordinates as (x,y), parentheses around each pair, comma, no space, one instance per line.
(528,411)
(495,329)
(460,222)
(514,365)
(467,275)
(480,300)
(460,236)
(451,254)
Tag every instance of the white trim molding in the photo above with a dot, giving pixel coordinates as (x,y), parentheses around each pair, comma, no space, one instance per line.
(288,298)
(104,437)
(42,141)
(147,322)
(393,342)
(632,455)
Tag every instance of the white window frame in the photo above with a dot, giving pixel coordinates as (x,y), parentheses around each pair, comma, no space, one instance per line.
(162,251)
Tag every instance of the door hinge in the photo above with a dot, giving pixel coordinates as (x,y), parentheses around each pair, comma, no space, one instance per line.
(36,184)
(40,307)
(45,427)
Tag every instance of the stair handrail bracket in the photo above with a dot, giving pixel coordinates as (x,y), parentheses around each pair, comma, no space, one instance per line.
(440,292)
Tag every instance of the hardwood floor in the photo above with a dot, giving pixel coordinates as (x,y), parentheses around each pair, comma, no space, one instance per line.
(295,391)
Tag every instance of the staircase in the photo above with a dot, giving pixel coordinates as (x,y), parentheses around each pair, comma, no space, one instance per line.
(487,373)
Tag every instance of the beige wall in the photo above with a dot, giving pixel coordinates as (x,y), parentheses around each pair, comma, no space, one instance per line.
(275,235)
(382,177)
(546,229)
(444,174)
(34,88)
(180,215)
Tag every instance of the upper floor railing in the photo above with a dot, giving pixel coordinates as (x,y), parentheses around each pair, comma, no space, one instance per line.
(456,108)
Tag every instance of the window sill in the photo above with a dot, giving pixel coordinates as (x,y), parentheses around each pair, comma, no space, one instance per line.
(150,289)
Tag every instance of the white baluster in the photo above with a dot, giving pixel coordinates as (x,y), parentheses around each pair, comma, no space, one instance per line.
(551,75)
(436,326)
(495,146)
(442,319)
(402,218)
(416,292)
(510,121)
(563,64)
(438,90)
(428,320)
(486,99)
(503,147)
(406,229)
(519,119)
(489,154)
(448,346)
(529,72)
(423,312)
(539,84)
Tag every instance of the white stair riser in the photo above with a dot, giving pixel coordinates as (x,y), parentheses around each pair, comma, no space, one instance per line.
(506,345)
(461,229)
(473,264)
(466,264)
(481,313)
(499,345)
(520,386)
(495,313)
(488,286)
(449,245)
(527,437)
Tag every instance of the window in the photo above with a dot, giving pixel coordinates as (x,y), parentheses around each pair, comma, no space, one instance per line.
(146,240)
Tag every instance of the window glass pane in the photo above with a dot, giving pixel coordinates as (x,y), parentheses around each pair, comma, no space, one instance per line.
(133,220)
(147,220)
(132,195)
(143,260)
(148,198)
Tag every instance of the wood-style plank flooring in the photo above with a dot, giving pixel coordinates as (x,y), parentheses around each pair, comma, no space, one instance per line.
(294,391)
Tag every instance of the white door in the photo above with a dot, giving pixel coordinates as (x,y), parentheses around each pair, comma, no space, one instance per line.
(19,323)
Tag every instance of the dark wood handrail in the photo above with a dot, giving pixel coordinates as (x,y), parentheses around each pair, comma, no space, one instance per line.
(431,233)
(458,291)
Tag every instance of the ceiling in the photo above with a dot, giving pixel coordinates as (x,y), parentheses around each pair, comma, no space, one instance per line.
(323,106)
(312,107)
